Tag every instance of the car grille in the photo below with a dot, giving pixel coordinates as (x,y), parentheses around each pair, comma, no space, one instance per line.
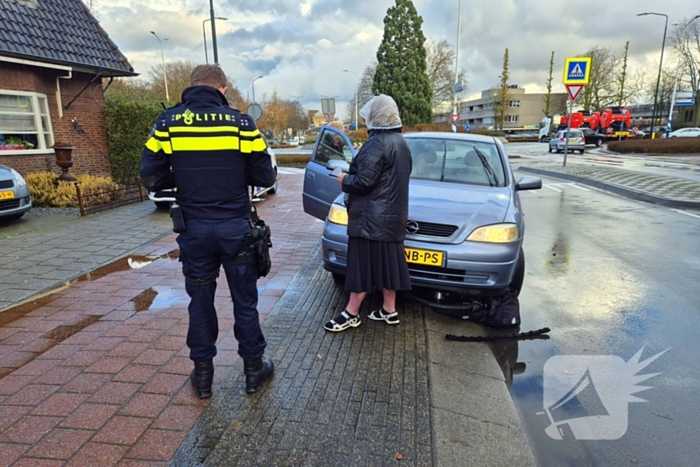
(7,183)
(445,274)
(429,229)
(9,204)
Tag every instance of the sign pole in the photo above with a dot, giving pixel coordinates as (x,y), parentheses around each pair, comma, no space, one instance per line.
(568,129)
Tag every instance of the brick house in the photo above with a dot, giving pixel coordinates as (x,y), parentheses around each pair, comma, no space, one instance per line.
(54,56)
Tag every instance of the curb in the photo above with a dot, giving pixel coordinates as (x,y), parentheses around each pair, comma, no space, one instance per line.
(627,192)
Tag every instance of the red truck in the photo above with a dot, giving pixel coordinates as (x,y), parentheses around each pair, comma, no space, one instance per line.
(613,121)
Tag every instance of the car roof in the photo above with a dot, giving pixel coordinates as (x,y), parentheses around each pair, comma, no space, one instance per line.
(453,136)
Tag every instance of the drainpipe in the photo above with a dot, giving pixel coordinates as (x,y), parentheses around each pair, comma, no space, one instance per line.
(58,92)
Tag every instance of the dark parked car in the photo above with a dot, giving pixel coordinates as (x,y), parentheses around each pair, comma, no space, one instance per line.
(14,194)
(465,229)
(592,137)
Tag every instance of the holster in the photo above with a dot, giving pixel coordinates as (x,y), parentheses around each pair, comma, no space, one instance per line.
(256,250)
(178,218)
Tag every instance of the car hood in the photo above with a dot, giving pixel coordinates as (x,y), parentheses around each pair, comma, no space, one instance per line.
(464,206)
(6,173)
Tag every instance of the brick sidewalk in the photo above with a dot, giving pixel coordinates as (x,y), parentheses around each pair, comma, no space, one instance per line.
(96,374)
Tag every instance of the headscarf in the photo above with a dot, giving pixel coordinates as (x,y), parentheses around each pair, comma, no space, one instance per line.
(381,113)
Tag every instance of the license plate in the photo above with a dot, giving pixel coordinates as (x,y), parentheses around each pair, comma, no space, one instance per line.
(7,195)
(427,257)
(573,141)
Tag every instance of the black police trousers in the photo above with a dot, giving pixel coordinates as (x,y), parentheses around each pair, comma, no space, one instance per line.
(205,246)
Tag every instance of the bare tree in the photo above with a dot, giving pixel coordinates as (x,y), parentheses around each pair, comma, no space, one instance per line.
(685,39)
(441,72)
(364,91)
(602,89)
(548,97)
(501,95)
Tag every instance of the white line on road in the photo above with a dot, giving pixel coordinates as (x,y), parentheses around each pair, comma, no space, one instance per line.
(552,188)
(686,213)
(290,170)
(579,187)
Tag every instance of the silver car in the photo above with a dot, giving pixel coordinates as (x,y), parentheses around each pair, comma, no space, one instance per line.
(577,141)
(465,228)
(14,194)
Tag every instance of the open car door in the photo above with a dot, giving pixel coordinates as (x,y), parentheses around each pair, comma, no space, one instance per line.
(320,189)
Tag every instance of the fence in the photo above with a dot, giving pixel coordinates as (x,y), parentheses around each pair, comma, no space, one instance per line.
(93,202)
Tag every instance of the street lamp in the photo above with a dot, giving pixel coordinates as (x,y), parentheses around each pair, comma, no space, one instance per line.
(661,61)
(162,59)
(252,84)
(675,83)
(459,30)
(357,84)
(204,33)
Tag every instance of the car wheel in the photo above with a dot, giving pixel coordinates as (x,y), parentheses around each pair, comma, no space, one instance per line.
(338,278)
(550,149)
(598,143)
(516,284)
(582,151)
(273,190)
(163,205)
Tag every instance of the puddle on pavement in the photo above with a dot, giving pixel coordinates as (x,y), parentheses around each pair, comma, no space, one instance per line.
(130,262)
(156,297)
(560,259)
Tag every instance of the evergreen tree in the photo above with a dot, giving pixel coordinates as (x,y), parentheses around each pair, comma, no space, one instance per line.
(401,64)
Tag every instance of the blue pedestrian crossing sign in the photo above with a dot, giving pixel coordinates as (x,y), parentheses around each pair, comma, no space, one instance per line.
(577,70)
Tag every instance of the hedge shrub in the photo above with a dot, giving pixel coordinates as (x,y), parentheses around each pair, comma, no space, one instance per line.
(45,193)
(657,146)
(128,125)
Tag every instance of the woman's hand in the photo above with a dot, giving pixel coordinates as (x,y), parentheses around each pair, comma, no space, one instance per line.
(341,177)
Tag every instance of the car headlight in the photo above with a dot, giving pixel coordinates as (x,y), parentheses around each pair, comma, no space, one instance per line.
(18,178)
(497,233)
(338,214)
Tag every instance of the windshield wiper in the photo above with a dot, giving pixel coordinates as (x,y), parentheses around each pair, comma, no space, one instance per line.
(487,167)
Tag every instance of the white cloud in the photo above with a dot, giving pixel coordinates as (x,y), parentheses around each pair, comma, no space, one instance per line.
(302,47)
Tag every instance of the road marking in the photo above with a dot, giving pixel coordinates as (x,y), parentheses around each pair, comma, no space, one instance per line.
(686,213)
(579,187)
(290,170)
(553,189)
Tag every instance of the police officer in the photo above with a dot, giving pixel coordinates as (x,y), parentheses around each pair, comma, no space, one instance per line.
(212,153)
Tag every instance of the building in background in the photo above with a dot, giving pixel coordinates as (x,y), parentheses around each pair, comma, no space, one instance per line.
(525,111)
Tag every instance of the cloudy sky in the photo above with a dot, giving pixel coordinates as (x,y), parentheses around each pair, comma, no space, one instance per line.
(301,47)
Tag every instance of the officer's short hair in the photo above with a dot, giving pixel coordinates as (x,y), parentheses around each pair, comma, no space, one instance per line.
(208,75)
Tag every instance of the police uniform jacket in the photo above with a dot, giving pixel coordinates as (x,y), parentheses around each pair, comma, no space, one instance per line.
(210,152)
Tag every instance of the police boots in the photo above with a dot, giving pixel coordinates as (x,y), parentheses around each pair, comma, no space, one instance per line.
(256,373)
(201,378)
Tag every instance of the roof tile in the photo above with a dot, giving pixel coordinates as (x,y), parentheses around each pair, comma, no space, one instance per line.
(59,31)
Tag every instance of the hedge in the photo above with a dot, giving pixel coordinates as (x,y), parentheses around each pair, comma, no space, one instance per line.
(128,125)
(657,146)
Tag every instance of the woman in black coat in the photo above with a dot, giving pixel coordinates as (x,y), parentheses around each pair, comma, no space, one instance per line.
(377,204)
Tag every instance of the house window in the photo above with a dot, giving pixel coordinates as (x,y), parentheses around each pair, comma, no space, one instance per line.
(512,118)
(688,115)
(513,103)
(25,124)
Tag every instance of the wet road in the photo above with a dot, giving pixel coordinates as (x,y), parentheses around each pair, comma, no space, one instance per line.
(611,276)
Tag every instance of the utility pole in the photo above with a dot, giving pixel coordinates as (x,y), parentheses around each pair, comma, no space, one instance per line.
(459,33)
(162,59)
(213,31)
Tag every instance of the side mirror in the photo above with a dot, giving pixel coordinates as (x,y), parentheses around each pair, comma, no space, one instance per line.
(528,183)
(336,163)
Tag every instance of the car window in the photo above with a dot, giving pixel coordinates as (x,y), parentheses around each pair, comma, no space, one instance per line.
(455,161)
(332,146)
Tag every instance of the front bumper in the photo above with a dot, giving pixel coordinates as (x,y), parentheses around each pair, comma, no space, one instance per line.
(469,266)
(15,206)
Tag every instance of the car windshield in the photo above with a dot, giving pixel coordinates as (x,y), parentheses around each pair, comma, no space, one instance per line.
(456,161)
(571,134)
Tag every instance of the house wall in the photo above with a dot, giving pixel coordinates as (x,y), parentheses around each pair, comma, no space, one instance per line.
(90,154)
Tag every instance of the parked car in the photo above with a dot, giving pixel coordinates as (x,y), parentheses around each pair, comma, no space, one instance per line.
(465,228)
(15,199)
(592,137)
(684,133)
(577,141)
(163,198)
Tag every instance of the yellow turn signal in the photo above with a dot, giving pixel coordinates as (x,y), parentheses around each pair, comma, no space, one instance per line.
(338,214)
(497,233)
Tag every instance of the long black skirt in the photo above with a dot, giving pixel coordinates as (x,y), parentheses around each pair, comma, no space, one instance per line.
(376,265)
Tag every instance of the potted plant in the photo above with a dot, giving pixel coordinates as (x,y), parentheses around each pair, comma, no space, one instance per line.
(64,159)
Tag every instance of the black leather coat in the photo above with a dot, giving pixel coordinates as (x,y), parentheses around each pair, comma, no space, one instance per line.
(377,185)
